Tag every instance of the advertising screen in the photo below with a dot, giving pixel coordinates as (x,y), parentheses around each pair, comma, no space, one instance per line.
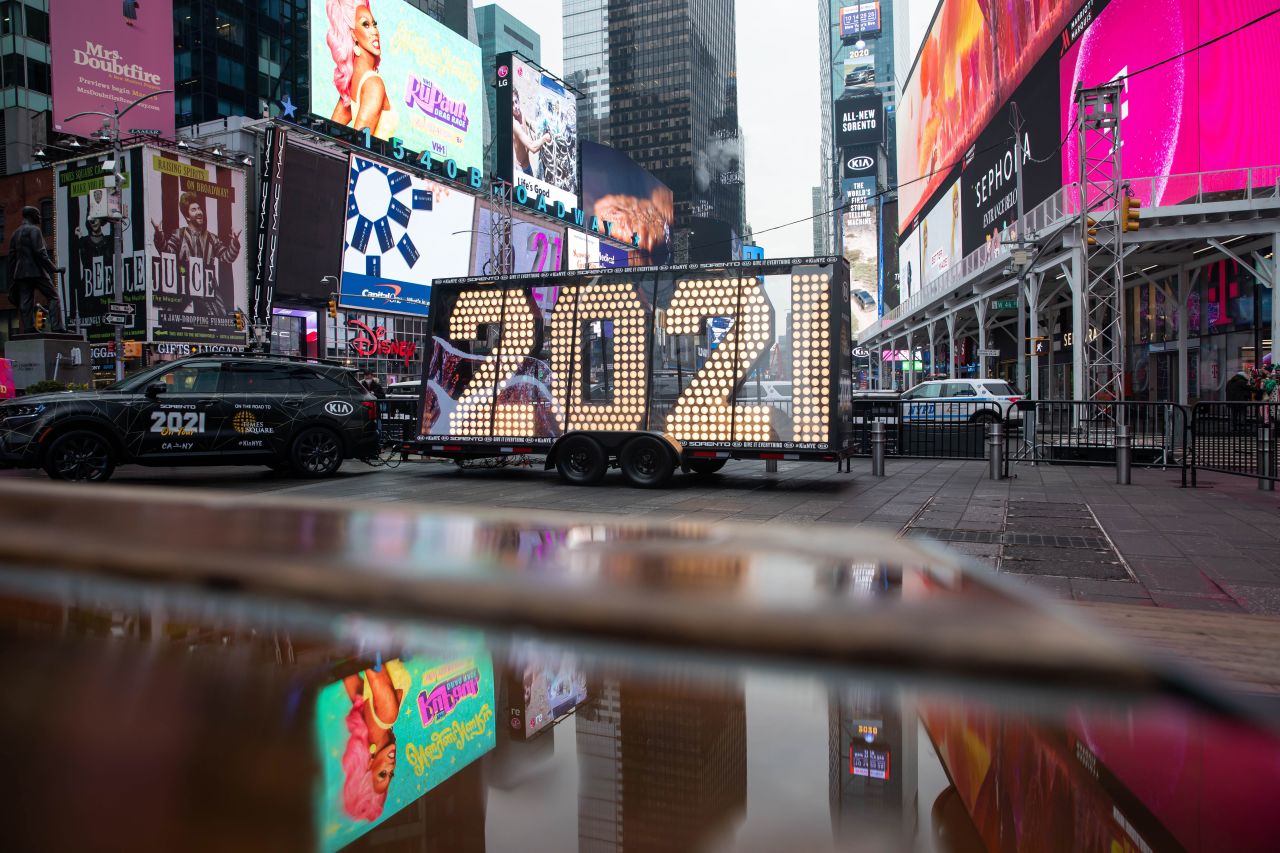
(909,265)
(541,118)
(1197,113)
(196,263)
(861,245)
(389,734)
(545,687)
(974,57)
(85,245)
(535,246)
(941,236)
(617,190)
(859,120)
(313,202)
(584,251)
(989,177)
(397,72)
(402,231)
(860,19)
(612,256)
(108,55)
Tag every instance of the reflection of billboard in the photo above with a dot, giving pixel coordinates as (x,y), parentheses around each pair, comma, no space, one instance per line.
(870,761)
(1196,113)
(197,267)
(859,120)
(861,245)
(961,77)
(535,246)
(387,735)
(543,689)
(402,231)
(860,19)
(397,73)
(84,243)
(100,60)
(941,236)
(616,190)
(540,117)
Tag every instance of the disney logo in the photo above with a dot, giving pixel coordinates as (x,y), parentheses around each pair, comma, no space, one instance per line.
(372,342)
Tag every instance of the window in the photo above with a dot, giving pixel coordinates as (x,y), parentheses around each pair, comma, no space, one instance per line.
(193,378)
(322,383)
(38,76)
(1000,389)
(923,392)
(257,379)
(46,217)
(958,389)
(37,25)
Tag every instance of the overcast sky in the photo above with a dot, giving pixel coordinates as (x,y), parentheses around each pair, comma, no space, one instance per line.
(777,106)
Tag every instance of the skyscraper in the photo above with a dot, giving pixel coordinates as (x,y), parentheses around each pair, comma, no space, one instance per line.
(500,32)
(659,81)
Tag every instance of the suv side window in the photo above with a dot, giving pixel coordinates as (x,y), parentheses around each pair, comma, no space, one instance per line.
(193,378)
(926,392)
(315,382)
(958,389)
(257,379)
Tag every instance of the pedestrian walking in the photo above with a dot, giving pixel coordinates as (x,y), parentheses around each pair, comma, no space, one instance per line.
(31,270)
(372,385)
(1239,391)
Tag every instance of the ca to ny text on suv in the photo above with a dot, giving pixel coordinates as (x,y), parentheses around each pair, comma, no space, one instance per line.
(204,410)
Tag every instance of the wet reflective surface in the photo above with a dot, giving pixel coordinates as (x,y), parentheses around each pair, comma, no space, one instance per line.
(187,707)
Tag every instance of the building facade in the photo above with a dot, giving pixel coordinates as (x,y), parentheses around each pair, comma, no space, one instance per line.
(500,32)
(24,82)
(659,82)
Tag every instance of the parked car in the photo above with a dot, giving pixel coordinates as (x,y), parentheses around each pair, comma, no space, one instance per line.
(277,411)
(864,299)
(961,401)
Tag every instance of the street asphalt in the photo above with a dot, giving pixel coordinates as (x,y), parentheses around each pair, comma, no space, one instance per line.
(1069,531)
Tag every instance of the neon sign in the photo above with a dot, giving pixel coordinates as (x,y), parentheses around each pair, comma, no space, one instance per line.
(374,342)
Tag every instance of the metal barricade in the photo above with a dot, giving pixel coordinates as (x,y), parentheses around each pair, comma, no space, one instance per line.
(1084,432)
(1237,438)
(924,429)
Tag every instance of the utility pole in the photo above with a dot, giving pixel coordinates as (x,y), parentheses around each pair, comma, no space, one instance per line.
(112,122)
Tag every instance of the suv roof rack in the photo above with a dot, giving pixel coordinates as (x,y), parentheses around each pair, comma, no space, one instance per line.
(302,359)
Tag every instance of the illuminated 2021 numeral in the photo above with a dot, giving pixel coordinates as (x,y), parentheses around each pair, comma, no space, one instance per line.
(616,303)
(476,413)
(703,411)
(810,357)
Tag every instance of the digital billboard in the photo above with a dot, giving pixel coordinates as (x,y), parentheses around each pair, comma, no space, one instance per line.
(860,19)
(540,116)
(197,264)
(313,201)
(1195,111)
(101,58)
(388,734)
(584,251)
(85,244)
(612,256)
(860,120)
(617,190)
(535,246)
(974,57)
(860,240)
(402,231)
(910,278)
(941,236)
(394,71)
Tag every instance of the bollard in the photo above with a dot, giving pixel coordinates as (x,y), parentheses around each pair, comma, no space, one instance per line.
(1124,455)
(1266,460)
(996,454)
(878,442)
(771,466)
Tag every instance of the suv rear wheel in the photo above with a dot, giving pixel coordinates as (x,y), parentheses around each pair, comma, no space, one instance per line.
(81,455)
(986,417)
(316,452)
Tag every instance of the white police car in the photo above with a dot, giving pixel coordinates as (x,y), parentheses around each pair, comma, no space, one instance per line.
(979,401)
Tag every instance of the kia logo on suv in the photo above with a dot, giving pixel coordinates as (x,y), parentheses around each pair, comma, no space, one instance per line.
(339,408)
(857,164)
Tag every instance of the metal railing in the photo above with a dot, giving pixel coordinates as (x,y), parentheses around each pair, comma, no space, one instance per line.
(924,429)
(1234,438)
(1084,432)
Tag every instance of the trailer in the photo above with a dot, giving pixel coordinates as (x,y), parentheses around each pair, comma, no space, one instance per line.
(646,369)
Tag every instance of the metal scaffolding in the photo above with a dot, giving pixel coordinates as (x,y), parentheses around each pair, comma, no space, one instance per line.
(502,253)
(1098,144)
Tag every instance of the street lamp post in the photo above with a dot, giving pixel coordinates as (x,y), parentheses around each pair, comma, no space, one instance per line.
(117,154)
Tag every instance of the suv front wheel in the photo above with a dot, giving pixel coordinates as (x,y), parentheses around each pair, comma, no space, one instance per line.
(316,452)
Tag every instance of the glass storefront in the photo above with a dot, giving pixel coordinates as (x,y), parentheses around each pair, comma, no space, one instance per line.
(390,346)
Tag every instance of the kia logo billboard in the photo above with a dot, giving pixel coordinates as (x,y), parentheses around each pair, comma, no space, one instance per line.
(860,164)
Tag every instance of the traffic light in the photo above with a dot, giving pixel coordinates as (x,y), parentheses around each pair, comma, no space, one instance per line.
(1091,231)
(39,319)
(1130,213)
(239,317)
(333,308)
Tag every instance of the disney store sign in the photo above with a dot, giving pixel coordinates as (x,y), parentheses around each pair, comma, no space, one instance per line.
(374,342)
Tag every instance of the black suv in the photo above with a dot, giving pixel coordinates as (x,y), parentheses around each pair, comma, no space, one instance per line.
(203,410)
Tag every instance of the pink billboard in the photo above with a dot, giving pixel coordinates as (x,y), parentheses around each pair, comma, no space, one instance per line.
(106,55)
(1206,111)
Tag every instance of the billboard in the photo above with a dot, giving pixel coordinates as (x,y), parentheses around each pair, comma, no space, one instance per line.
(860,120)
(941,236)
(910,277)
(401,74)
(540,116)
(584,251)
(1196,110)
(535,246)
(860,240)
(402,231)
(312,205)
(612,256)
(974,57)
(387,735)
(860,20)
(102,56)
(617,190)
(196,264)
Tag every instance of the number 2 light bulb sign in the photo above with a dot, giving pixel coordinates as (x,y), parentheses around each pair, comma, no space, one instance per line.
(402,231)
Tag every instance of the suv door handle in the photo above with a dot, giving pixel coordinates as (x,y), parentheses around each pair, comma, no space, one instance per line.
(293,404)
(209,402)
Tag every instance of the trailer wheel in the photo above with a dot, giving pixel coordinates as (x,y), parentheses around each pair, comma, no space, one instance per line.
(580,460)
(646,462)
(704,467)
